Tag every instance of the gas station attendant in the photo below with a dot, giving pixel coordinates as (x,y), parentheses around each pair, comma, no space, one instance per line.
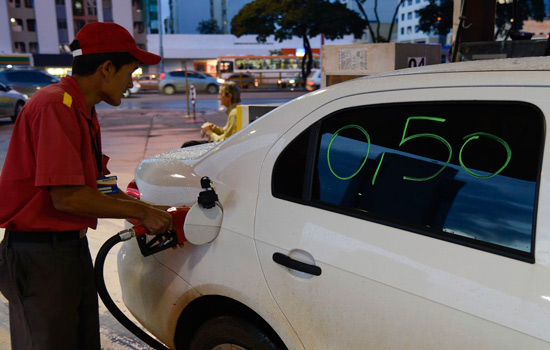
(54,185)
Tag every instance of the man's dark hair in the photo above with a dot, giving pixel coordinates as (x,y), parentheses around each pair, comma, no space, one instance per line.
(87,64)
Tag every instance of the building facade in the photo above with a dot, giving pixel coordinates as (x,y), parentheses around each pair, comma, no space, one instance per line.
(380,15)
(407,29)
(31,30)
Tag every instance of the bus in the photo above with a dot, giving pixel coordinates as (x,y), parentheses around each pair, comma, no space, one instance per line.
(266,70)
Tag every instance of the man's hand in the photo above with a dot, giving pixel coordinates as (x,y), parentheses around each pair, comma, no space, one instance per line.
(157,221)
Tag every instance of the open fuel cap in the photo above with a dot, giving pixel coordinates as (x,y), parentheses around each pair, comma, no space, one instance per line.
(202,225)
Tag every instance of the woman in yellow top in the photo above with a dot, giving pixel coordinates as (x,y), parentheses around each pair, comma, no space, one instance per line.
(230,96)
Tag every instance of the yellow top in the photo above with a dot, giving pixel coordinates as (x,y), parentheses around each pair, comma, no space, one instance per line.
(230,127)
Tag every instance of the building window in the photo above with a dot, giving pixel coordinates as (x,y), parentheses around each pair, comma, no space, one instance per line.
(409,30)
(402,31)
(31,25)
(416,14)
(416,29)
(60,2)
(17,3)
(78,24)
(61,24)
(84,11)
(409,2)
(91,8)
(78,8)
(33,47)
(29,4)
(20,47)
(16,24)
(138,27)
(402,17)
(108,11)
(409,15)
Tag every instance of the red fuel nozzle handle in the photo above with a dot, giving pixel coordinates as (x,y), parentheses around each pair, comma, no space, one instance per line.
(160,241)
(140,230)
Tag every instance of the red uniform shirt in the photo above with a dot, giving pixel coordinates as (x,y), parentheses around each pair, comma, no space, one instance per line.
(50,145)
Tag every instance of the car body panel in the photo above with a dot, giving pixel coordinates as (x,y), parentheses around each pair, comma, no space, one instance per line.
(381,286)
(27,81)
(177,79)
(9,100)
(385,265)
(148,81)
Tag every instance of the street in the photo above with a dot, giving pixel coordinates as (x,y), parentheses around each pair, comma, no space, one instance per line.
(144,125)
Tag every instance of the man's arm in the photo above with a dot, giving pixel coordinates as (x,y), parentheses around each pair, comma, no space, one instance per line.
(87,201)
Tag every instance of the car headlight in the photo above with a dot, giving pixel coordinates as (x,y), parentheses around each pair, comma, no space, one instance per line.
(291,81)
(220,80)
(26,96)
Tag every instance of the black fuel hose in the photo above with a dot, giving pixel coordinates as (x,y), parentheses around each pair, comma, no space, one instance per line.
(108,301)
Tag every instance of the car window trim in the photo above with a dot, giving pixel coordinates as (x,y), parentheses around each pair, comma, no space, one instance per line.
(311,158)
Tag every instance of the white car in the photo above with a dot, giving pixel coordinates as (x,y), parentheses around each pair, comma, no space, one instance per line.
(136,88)
(398,211)
(11,102)
(313,81)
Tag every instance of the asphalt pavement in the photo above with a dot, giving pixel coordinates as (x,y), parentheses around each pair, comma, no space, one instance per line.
(131,133)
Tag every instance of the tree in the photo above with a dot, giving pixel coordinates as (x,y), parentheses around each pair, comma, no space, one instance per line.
(436,17)
(303,18)
(209,27)
(526,9)
(378,38)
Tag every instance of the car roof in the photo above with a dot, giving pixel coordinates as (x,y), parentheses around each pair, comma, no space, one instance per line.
(505,64)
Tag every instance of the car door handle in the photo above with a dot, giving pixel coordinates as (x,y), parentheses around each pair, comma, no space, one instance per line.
(287,261)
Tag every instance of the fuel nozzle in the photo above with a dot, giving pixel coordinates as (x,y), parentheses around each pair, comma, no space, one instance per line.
(208,197)
(193,224)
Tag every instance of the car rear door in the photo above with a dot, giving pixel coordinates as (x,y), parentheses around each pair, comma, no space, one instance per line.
(384,225)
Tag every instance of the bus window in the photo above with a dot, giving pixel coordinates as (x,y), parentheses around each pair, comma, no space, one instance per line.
(241,64)
(273,63)
(225,67)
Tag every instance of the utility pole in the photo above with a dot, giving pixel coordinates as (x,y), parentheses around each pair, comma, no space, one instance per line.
(161,29)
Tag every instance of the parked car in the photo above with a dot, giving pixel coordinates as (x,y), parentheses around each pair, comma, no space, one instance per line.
(400,211)
(172,82)
(133,90)
(244,80)
(313,81)
(11,102)
(149,81)
(27,81)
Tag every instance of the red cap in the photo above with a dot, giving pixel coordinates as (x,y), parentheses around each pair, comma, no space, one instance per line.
(105,37)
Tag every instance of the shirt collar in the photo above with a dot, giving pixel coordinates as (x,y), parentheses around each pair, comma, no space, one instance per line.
(70,85)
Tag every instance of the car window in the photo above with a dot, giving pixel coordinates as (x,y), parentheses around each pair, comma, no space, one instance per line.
(178,74)
(39,77)
(20,76)
(462,172)
(194,75)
